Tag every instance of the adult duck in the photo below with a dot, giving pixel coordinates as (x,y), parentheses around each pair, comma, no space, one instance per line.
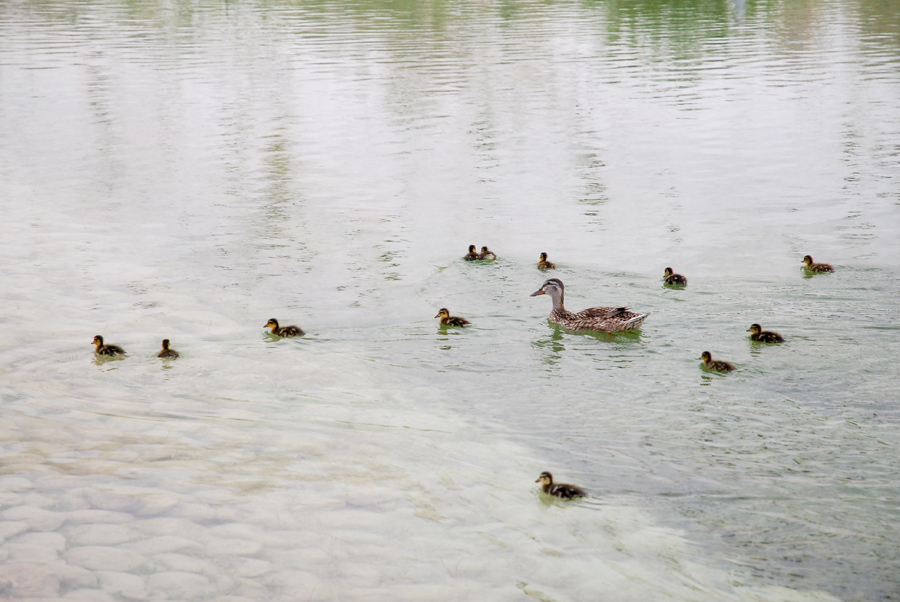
(604,319)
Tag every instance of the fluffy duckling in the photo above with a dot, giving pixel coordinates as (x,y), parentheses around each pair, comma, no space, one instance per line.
(472,255)
(283,331)
(106,349)
(717,365)
(673,279)
(166,352)
(604,319)
(561,490)
(816,267)
(764,336)
(448,320)
(487,255)
(544,264)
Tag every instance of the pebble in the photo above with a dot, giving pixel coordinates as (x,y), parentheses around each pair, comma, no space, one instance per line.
(101,535)
(178,584)
(97,516)
(163,544)
(28,580)
(98,558)
(10,529)
(124,585)
(38,519)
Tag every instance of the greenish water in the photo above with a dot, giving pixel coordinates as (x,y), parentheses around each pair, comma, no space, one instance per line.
(189,171)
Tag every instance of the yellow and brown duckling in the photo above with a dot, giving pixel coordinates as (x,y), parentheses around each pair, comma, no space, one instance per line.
(764,336)
(166,351)
(561,490)
(604,319)
(283,331)
(544,264)
(487,255)
(673,279)
(717,365)
(448,320)
(812,266)
(472,255)
(106,349)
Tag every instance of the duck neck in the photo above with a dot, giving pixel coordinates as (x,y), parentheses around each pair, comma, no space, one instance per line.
(557,296)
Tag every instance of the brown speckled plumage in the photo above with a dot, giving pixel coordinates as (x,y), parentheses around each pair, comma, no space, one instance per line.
(604,319)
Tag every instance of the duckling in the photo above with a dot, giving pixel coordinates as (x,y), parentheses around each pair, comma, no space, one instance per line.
(544,265)
(487,255)
(166,352)
(816,267)
(717,365)
(284,331)
(561,490)
(472,255)
(605,319)
(673,279)
(106,349)
(764,336)
(448,320)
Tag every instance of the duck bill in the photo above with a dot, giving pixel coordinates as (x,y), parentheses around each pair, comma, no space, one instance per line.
(538,481)
(438,316)
(535,294)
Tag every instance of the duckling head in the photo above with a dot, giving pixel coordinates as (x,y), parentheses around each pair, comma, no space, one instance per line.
(165,343)
(443,313)
(545,479)
(543,257)
(485,250)
(706,357)
(668,273)
(808,260)
(98,341)
(472,249)
(755,328)
(272,323)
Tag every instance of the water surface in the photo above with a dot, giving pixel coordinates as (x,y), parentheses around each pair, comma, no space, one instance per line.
(189,171)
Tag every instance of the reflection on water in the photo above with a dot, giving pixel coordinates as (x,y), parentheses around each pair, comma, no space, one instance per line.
(188,171)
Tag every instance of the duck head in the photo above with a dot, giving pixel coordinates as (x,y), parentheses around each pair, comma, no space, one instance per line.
(668,273)
(443,313)
(545,479)
(755,328)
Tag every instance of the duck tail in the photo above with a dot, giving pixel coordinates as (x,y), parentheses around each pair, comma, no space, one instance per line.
(635,322)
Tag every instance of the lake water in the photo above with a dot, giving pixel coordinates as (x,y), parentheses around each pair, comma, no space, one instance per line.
(189,170)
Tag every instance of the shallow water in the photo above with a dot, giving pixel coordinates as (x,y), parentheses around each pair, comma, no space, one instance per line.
(189,171)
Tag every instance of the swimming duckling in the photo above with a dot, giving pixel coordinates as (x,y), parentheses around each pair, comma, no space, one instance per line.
(673,279)
(106,349)
(487,255)
(816,267)
(561,490)
(283,331)
(604,319)
(448,320)
(472,255)
(717,365)
(764,336)
(166,352)
(544,265)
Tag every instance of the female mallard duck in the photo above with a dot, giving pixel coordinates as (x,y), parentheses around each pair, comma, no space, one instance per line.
(545,265)
(283,331)
(166,352)
(448,320)
(472,255)
(605,319)
(106,349)
(487,255)
(673,279)
(764,336)
(558,489)
(816,267)
(717,365)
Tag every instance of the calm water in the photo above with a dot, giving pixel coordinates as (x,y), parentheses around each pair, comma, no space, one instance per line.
(187,171)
